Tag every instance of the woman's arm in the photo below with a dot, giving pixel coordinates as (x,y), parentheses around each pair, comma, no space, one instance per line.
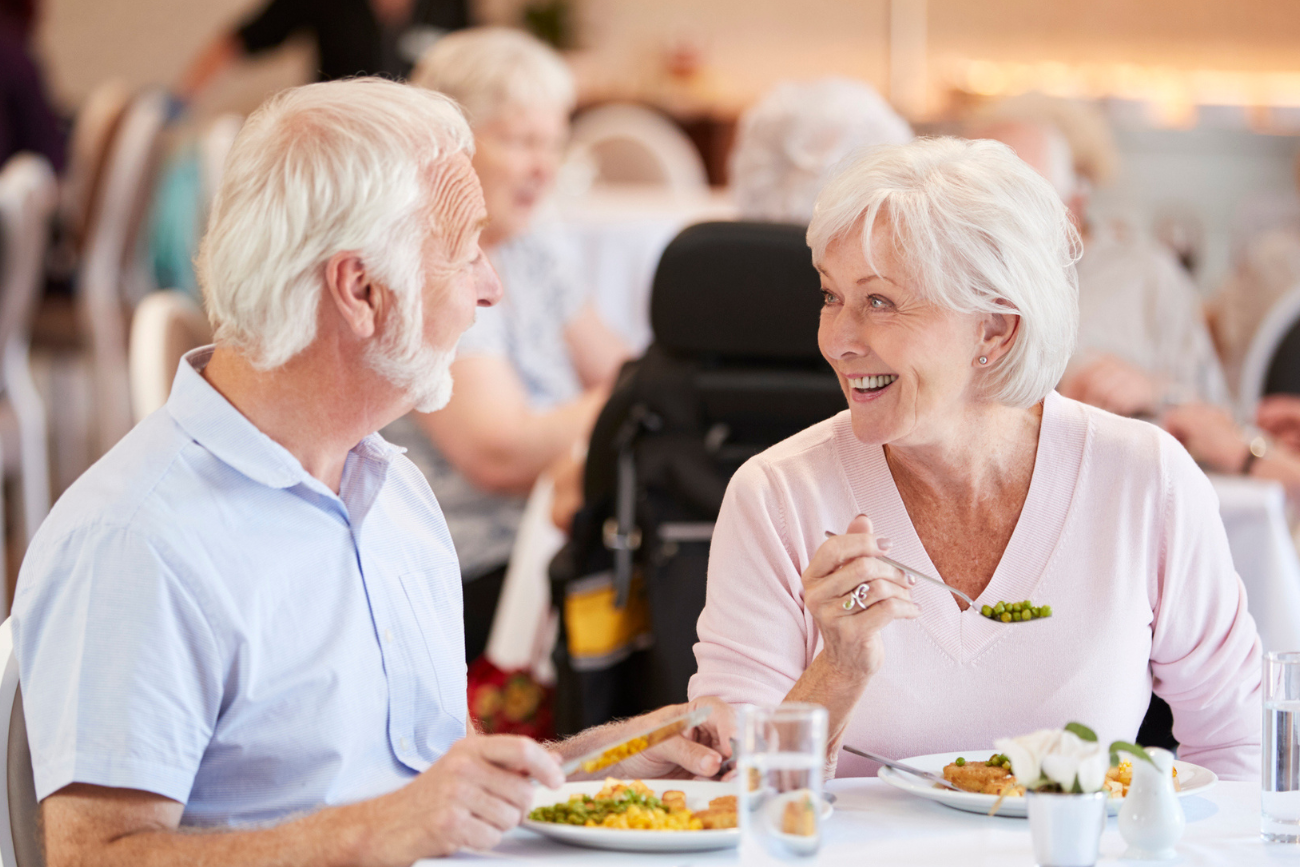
(489,432)
(1205,652)
(762,618)
(597,351)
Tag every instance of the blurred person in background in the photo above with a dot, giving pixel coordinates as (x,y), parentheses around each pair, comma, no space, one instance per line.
(1219,445)
(27,122)
(1143,341)
(1268,268)
(352,37)
(533,372)
(787,144)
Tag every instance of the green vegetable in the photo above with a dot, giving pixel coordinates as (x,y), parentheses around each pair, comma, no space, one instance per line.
(960,762)
(1015,612)
(986,611)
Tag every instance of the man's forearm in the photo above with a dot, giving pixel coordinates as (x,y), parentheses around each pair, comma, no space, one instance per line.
(339,836)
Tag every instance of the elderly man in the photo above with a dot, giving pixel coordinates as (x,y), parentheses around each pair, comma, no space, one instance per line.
(1143,340)
(247,615)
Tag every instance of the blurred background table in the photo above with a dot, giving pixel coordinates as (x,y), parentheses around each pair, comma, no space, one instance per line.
(1254,514)
(881,826)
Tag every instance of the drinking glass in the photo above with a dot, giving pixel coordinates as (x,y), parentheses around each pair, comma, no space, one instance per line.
(1280,780)
(782,755)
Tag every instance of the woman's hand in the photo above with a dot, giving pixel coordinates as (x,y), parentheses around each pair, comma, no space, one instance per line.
(853,648)
(1209,435)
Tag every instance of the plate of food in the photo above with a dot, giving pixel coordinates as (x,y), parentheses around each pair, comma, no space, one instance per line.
(986,778)
(638,816)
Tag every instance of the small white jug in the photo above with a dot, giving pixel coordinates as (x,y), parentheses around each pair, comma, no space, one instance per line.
(1151,820)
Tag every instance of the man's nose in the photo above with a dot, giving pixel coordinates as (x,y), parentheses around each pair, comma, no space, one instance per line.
(488,285)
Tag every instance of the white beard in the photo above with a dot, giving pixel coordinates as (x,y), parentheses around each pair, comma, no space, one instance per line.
(401,357)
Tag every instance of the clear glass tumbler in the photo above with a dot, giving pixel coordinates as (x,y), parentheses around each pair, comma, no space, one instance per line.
(782,756)
(1280,780)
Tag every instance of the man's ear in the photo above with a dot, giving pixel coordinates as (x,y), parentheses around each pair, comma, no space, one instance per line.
(353,293)
(1000,331)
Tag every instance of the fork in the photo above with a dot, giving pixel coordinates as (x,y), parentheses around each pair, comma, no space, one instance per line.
(921,575)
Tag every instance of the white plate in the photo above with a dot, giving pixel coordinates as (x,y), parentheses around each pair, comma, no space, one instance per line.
(698,794)
(1193,779)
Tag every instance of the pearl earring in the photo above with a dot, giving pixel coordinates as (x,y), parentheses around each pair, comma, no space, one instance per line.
(984,359)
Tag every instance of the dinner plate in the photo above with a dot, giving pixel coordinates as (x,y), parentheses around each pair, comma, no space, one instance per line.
(1193,780)
(698,794)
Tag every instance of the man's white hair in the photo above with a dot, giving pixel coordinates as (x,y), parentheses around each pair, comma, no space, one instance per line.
(318,170)
(978,231)
(790,142)
(489,69)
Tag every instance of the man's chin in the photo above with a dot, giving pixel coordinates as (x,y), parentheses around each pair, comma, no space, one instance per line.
(433,400)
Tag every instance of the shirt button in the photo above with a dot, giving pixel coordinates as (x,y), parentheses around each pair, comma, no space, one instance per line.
(388,635)
(404,744)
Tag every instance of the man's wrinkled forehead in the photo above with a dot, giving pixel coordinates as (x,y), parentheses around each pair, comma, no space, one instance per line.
(456,205)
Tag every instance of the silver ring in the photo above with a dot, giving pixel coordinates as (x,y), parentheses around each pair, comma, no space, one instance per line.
(858,598)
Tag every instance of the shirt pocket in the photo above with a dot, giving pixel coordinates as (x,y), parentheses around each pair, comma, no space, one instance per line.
(436,605)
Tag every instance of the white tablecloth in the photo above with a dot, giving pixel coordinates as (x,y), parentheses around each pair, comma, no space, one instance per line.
(878,826)
(616,235)
(1254,514)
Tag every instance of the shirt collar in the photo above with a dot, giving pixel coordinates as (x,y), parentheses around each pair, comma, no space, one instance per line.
(212,422)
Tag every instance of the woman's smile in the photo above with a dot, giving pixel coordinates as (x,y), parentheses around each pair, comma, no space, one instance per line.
(868,388)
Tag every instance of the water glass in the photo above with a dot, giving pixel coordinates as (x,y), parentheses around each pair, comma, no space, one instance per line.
(1280,780)
(782,756)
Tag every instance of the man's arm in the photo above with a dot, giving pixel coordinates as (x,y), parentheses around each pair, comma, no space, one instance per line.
(489,432)
(597,351)
(476,792)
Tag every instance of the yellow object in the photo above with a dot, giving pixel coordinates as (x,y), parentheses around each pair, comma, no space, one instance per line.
(614,755)
(597,630)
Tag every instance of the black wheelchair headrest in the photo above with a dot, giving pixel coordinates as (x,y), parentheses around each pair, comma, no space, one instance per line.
(738,291)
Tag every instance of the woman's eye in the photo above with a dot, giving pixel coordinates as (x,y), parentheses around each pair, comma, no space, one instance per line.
(827,297)
(877,303)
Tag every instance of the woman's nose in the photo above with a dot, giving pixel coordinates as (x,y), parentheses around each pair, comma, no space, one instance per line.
(842,335)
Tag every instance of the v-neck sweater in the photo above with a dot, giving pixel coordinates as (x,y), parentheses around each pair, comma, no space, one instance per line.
(1120,534)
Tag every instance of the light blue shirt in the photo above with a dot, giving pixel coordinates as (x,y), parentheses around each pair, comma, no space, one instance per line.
(200,618)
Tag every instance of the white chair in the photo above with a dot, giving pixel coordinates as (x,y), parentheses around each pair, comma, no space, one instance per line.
(632,144)
(1273,329)
(28,197)
(166,325)
(107,263)
(20,844)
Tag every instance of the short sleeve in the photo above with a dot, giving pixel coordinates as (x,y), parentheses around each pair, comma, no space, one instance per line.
(751,591)
(276,22)
(121,673)
(1205,651)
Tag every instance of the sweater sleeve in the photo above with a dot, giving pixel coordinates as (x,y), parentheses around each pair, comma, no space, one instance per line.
(1205,652)
(753,632)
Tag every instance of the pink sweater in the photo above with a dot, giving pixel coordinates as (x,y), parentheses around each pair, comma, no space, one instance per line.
(1120,534)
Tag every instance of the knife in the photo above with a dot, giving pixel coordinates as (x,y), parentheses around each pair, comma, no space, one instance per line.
(907,769)
(616,752)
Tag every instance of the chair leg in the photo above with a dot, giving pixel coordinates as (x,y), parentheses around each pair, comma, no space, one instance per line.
(32,434)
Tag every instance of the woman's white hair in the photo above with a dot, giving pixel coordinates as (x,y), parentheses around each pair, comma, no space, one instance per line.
(978,231)
(318,170)
(488,69)
(789,143)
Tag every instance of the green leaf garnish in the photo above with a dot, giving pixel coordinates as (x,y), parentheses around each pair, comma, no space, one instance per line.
(1132,749)
(1084,733)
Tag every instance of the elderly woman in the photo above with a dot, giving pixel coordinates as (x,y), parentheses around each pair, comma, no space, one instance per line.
(788,143)
(534,371)
(950,311)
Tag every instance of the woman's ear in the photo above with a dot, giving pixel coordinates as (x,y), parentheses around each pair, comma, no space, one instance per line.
(999,335)
(353,293)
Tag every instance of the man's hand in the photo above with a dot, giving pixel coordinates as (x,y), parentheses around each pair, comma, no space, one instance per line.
(697,752)
(468,799)
(1279,415)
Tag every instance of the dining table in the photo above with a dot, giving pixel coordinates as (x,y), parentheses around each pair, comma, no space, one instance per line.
(876,825)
